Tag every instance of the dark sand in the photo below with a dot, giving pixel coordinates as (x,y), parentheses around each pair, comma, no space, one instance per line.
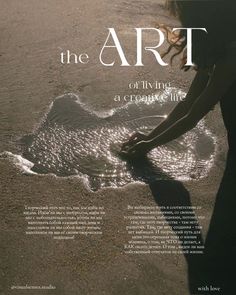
(32,35)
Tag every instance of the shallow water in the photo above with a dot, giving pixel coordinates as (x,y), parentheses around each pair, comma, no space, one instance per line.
(74,140)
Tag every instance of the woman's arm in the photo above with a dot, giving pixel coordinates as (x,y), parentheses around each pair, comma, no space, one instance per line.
(222,78)
(199,83)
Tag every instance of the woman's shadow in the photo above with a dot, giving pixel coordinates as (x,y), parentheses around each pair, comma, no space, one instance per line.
(202,273)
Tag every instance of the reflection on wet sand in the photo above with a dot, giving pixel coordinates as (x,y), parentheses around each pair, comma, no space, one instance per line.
(73,140)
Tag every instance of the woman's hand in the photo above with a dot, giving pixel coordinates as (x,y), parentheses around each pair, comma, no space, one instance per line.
(137,150)
(134,138)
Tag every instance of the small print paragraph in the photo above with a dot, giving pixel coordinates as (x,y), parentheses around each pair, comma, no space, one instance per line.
(163,230)
(63,223)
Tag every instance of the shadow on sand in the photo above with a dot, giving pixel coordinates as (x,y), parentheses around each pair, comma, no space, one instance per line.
(210,272)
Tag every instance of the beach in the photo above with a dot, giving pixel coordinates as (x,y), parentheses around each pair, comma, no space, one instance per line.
(33,34)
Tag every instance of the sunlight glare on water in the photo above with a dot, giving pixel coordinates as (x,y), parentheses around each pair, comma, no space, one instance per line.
(73,140)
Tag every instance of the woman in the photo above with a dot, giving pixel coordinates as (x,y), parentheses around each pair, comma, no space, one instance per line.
(214,55)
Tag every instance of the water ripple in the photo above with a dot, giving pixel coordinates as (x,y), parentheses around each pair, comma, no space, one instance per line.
(74,140)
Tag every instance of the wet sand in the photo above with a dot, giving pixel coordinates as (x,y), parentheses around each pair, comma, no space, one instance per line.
(74,141)
(32,35)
